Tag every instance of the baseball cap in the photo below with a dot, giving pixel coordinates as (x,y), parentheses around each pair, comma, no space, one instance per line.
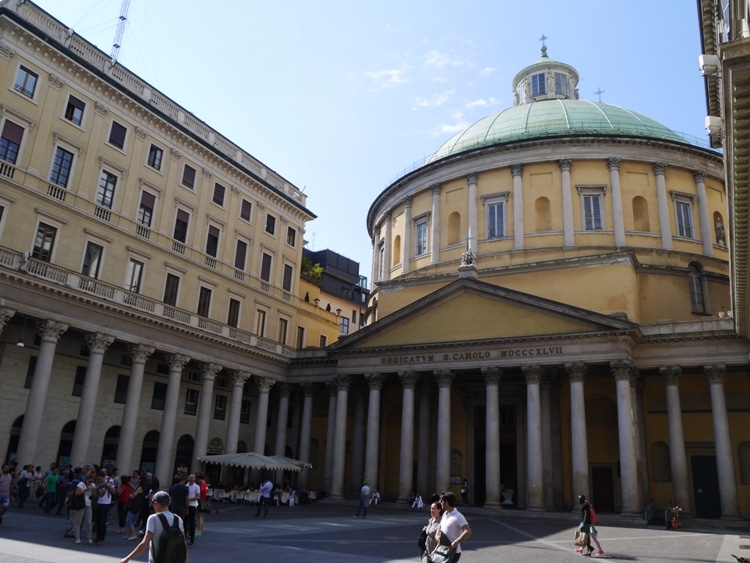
(162,497)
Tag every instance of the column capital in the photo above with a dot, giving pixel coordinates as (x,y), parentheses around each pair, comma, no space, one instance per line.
(285,390)
(565,164)
(715,373)
(516,169)
(408,378)
(671,374)
(388,216)
(239,377)
(492,375)
(444,377)
(5,315)
(177,361)
(622,370)
(436,188)
(50,331)
(659,168)
(342,382)
(533,374)
(407,202)
(139,353)
(308,389)
(576,371)
(264,383)
(699,177)
(332,387)
(98,342)
(374,380)
(614,163)
(210,370)
(472,177)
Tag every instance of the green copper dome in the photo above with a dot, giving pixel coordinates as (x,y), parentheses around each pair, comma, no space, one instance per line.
(554,118)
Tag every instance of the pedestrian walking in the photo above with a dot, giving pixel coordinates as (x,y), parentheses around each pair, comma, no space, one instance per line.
(364,500)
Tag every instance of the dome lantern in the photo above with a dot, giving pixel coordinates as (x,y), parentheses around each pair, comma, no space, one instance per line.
(546,79)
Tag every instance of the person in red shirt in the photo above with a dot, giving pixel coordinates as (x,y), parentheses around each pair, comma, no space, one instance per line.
(201,478)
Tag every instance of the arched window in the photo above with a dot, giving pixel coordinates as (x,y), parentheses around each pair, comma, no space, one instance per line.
(111,440)
(396,250)
(640,215)
(66,441)
(454,228)
(184,454)
(661,468)
(148,450)
(697,277)
(543,217)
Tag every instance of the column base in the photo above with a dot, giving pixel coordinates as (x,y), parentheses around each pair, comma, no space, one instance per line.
(493,504)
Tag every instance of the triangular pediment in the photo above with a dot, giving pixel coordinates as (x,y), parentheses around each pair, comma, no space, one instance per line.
(469,310)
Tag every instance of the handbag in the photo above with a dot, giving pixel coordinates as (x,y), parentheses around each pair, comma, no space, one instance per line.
(582,539)
(443,553)
(422,541)
(204,506)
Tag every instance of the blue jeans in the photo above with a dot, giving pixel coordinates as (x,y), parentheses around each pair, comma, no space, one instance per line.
(100,518)
(262,503)
(362,506)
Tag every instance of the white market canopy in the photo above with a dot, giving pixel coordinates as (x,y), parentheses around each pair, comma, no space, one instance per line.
(256,461)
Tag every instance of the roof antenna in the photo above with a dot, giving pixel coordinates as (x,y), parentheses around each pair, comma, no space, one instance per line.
(120,30)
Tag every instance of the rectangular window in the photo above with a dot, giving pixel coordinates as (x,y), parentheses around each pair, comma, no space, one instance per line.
(421,228)
(188,176)
(538,87)
(233,315)
(240,254)
(155,155)
(117,135)
(219,191)
(245,412)
(92,260)
(288,276)
(212,241)
(61,167)
(79,381)
(260,322)
(26,81)
(204,302)
(344,325)
(133,276)
(30,369)
(181,225)
(684,216)
(171,288)
(121,390)
(246,210)
(220,407)
(300,337)
(44,242)
(592,213)
(496,219)
(265,267)
(10,141)
(561,84)
(191,401)
(159,396)
(291,236)
(283,327)
(74,110)
(105,193)
(323,341)
(270,224)
(146,209)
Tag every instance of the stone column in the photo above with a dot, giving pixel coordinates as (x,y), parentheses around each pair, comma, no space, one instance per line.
(261,418)
(435,242)
(239,378)
(492,437)
(406,466)
(703,218)
(50,332)
(425,438)
(360,424)
(205,406)
(557,455)
(443,472)
(339,439)
(388,246)
(406,242)
(617,214)
(372,445)
(724,457)
(97,344)
(281,422)
(579,440)
(641,442)
(518,227)
(165,450)
(663,202)
(548,396)
(330,433)
(375,241)
(533,376)
(473,228)
(631,497)
(677,455)
(305,433)
(139,353)
(567,201)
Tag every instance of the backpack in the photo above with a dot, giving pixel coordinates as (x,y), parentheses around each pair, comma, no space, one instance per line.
(592,514)
(77,502)
(172,548)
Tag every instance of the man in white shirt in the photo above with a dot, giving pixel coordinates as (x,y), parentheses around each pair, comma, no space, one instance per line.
(453,524)
(364,500)
(154,528)
(194,495)
(265,497)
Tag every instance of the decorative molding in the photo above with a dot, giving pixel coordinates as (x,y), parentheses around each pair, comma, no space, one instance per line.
(141,133)
(101,109)
(55,81)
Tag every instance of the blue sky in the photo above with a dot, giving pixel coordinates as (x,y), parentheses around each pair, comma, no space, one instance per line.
(341,98)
